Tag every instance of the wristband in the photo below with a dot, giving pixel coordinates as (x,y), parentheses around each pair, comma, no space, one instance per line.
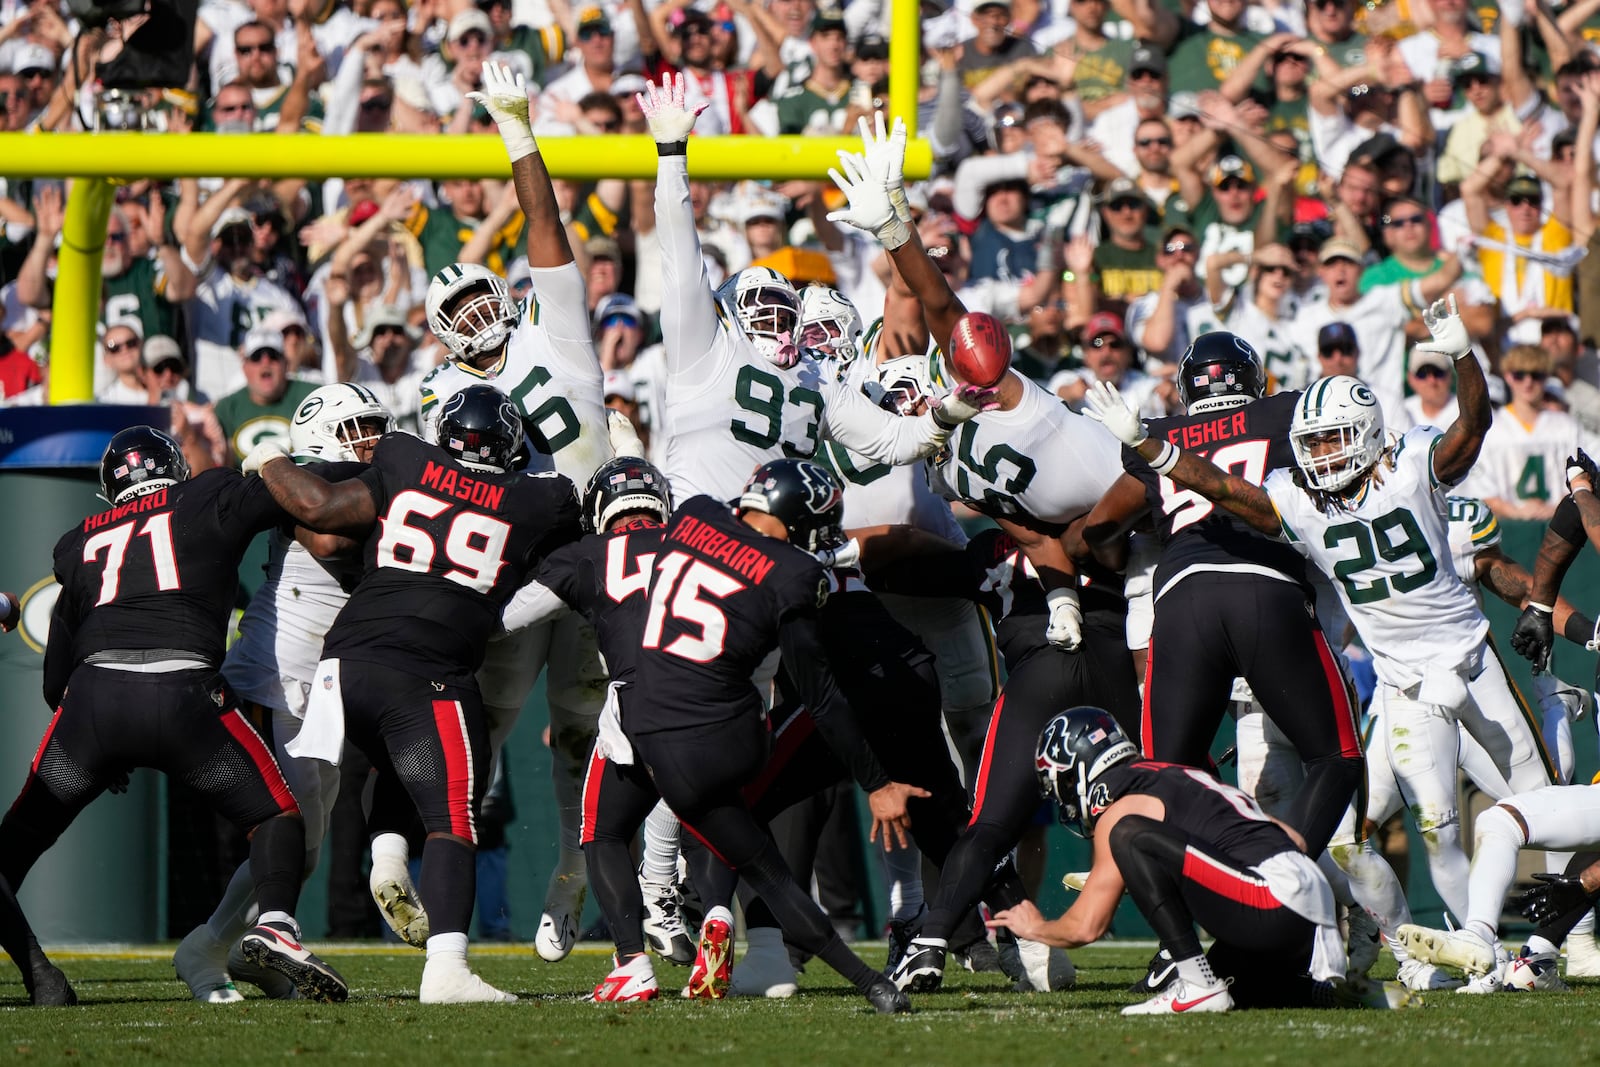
(673,148)
(1167,458)
(1546,608)
(893,234)
(518,139)
(902,206)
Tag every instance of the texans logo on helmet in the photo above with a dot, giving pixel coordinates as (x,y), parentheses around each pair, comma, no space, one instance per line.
(822,492)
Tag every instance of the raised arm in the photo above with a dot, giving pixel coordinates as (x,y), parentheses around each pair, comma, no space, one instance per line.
(505,97)
(1457,450)
(1106,530)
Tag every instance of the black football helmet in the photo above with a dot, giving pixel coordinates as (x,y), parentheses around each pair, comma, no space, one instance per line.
(1075,749)
(1220,370)
(481,429)
(140,460)
(802,495)
(625,484)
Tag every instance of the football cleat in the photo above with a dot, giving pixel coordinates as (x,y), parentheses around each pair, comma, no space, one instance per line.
(979,957)
(1075,880)
(663,922)
(1534,973)
(713,963)
(398,901)
(1181,998)
(1480,984)
(277,946)
(1365,993)
(900,933)
(921,969)
(446,980)
(1158,974)
(274,985)
(558,926)
(1423,977)
(1453,948)
(765,969)
(1364,940)
(202,964)
(887,998)
(48,987)
(634,980)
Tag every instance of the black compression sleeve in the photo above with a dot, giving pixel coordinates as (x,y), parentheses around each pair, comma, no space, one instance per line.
(1567,524)
(807,664)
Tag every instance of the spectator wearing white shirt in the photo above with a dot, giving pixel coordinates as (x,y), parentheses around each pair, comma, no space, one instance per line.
(1519,472)
(1159,321)
(121,348)
(1433,396)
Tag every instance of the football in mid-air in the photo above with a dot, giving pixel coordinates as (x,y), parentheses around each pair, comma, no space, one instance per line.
(980,349)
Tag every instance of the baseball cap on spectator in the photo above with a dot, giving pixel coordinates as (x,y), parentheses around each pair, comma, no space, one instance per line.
(1472,65)
(1309,236)
(32,56)
(593,18)
(1556,324)
(1272,255)
(390,316)
(872,46)
(628,84)
(1184,105)
(617,304)
(618,384)
(1120,189)
(981,4)
(233,216)
(163,349)
(1524,185)
(1565,138)
(1375,149)
(692,16)
(761,207)
(1104,322)
(827,18)
(1232,167)
(467,21)
(602,247)
(362,212)
(262,339)
(1422,357)
(1150,59)
(1338,248)
(1337,335)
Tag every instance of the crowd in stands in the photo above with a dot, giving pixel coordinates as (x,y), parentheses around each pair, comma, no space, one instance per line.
(1112,178)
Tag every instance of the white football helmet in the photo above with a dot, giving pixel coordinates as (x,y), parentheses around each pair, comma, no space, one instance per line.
(829,322)
(1339,410)
(768,310)
(481,312)
(902,382)
(334,419)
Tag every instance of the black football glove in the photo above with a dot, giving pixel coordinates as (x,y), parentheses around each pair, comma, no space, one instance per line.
(1559,895)
(1582,465)
(1534,636)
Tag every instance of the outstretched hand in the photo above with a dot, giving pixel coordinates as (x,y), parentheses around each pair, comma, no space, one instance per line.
(1450,336)
(504,94)
(1105,405)
(666,110)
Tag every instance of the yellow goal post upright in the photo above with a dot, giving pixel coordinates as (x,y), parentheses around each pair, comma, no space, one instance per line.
(98,162)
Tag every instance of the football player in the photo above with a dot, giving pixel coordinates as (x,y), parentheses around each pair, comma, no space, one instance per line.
(542,356)
(131,667)
(1373,516)
(1189,850)
(448,533)
(272,665)
(1230,602)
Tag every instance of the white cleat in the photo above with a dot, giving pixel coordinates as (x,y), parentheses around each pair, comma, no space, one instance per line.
(398,901)
(202,964)
(1045,969)
(558,926)
(448,981)
(1181,998)
(631,981)
(764,970)
(1422,977)
(1075,880)
(1452,948)
(1583,954)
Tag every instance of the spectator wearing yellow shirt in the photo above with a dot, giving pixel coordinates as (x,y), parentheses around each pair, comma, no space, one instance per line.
(1524,258)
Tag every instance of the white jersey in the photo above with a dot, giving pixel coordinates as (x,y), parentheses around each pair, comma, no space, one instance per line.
(550,372)
(223,311)
(1379,318)
(1520,462)
(1473,528)
(728,409)
(648,372)
(280,634)
(1388,551)
(1038,459)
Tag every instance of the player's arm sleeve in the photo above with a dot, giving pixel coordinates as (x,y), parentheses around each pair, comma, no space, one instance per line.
(835,718)
(532,604)
(689,322)
(58,659)
(1567,524)
(428,411)
(561,309)
(861,426)
(249,499)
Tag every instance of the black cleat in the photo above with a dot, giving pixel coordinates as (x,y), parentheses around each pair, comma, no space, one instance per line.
(887,999)
(278,947)
(1160,973)
(49,988)
(921,969)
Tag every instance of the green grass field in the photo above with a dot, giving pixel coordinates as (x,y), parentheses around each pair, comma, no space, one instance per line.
(135,1011)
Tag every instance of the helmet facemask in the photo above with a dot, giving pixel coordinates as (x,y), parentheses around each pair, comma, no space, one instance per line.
(1331,469)
(480,322)
(770,317)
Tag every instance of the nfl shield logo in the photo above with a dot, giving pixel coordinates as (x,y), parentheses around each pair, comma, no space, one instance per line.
(327,682)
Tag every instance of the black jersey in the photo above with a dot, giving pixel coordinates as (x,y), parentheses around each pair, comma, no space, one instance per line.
(719,598)
(156,576)
(1204,808)
(606,578)
(449,548)
(1250,441)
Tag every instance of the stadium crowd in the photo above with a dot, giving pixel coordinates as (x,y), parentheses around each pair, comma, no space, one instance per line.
(1397,199)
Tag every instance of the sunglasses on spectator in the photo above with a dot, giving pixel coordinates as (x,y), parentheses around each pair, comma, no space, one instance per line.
(374,104)
(1338,350)
(263,353)
(1233,185)
(618,320)
(1430,371)
(252,49)
(589,33)
(388,331)
(1394,222)
(170,366)
(34,74)
(1276,268)
(113,347)
(1525,375)
(473,38)
(1144,76)
(1151,142)
(1337,5)
(1126,204)
(1052,305)
(118,237)
(232,109)
(608,126)
(1107,340)
(1526,201)
(1173,248)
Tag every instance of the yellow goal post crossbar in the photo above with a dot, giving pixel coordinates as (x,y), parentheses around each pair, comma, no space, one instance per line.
(100,161)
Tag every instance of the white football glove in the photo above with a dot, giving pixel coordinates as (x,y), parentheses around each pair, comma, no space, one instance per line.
(262,454)
(845,555)
(1449,332)
(885,154)
(624,437)
(1105,405)
(505,97)
(666,111)
(964,403)
(1066,619)
(870,208)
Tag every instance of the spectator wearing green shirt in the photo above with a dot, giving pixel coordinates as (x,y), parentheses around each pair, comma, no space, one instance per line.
(262,409)
(1103,62)
(442,230)
(533,51)
(1205,55)
(818,105)
(1285,60)
(1332,24)
(1125,261)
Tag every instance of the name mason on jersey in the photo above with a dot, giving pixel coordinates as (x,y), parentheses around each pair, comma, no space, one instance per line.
(748,561)
(1233,424)
(137,506)
(479,494)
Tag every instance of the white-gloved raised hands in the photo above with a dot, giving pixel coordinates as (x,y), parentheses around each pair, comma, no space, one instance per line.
(1105,405)
(885,153)
(870,208)
(845,555)
(505,97)
(667,111)
(1449,332)
(264,453)
(1065,630)
(965,402)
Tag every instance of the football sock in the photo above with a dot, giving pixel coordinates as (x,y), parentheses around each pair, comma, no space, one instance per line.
(1539,946)
(236,912)
(277,862)
(1494,867)
(391,847)
(448,946)
(616,890)
(903,873)
(660,863)
(968,875)
(1196,970)
(449,882)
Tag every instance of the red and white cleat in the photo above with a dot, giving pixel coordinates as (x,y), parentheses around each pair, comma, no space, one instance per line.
(713,963)
(634,980)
